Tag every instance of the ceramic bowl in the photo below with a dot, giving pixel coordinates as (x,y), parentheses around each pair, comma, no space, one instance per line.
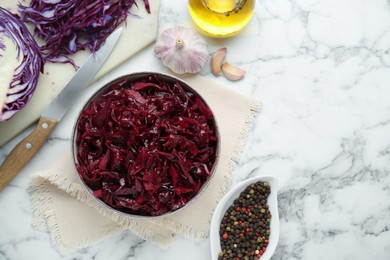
(228,200)
(134,77)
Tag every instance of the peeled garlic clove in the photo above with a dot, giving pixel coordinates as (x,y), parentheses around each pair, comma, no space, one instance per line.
(231,72)
(182,50)
(216,61)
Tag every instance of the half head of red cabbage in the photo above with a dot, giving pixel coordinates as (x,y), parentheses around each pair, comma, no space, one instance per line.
(20,65)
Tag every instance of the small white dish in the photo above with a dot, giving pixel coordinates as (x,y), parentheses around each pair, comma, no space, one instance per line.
(228,200)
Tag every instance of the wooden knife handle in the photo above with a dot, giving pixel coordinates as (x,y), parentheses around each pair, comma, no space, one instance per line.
(25,150)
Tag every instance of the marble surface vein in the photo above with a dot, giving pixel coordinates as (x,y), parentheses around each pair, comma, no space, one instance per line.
(321,69)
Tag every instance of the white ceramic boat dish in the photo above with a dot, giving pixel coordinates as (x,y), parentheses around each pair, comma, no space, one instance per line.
(228,200)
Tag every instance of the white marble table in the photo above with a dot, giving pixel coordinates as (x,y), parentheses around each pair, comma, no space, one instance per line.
(322,70)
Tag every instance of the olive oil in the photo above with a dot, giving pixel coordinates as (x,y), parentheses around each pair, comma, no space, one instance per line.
(221,18)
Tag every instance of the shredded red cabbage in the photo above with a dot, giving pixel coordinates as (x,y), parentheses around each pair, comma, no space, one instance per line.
(146,147)
(68,26)
(16,93)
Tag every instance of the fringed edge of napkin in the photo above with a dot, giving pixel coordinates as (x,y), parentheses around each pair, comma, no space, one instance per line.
(45,218)
(44,215)
(39,197)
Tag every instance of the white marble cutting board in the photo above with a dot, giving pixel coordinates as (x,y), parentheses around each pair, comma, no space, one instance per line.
(138,34)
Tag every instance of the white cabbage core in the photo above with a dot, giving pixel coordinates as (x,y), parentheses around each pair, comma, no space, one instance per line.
(8,64)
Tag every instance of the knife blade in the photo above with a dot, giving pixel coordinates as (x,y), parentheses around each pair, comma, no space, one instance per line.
(52,114)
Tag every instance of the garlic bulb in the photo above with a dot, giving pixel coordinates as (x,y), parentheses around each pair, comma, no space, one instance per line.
(182,50)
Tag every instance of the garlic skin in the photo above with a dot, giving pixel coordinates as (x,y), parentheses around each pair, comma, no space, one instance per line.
(182,50)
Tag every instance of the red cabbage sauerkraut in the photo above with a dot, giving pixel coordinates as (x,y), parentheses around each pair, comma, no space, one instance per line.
(146,147)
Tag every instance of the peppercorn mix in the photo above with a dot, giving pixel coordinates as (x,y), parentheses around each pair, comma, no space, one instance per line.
(245,227)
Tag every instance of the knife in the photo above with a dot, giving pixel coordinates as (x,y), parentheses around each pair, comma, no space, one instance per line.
(52,114)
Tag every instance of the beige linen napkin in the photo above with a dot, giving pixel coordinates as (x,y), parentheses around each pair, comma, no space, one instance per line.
(76,220)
